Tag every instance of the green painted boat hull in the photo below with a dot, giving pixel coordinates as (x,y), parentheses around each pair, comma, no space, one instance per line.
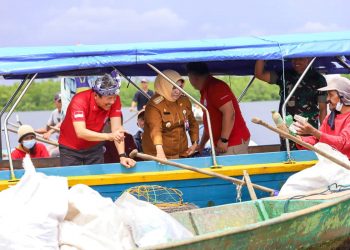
(262,224)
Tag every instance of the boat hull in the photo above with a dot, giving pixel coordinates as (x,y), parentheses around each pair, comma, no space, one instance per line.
(325,225)
(110,180)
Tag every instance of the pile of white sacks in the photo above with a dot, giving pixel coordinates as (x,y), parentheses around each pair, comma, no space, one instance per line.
(40,212)
(318,177)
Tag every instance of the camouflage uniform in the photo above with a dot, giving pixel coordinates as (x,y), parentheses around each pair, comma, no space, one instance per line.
(305,99)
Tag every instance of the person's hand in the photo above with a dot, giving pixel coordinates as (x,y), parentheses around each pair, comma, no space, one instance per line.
(221,147)
(192,149)
(200,148)
(160,152)
(117,135)
(47,135)
(162,156)
(132,109)
(127,162)
(304,128)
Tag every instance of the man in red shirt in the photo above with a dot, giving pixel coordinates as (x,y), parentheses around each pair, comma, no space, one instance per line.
(81,139)
(230,132)
(28,145)
(335,131)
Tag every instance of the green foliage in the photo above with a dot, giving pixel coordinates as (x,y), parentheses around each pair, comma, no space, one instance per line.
(258,91)
(40,94)
(38,97)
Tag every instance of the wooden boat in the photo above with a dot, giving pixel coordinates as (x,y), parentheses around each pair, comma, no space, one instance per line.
(320,223)
(225,56)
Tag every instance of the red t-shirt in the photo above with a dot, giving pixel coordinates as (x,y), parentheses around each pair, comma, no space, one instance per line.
(214,94)
(39,152)
(338,138)
(83,107)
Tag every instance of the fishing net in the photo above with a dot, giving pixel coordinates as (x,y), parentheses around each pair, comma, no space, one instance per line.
(168,199)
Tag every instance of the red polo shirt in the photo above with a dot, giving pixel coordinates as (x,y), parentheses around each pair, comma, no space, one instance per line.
(214,94)
(40,151)
(83,107)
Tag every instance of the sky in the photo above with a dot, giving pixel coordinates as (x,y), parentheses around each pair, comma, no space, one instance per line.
(71,22)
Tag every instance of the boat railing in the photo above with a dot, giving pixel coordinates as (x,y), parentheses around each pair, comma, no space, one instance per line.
(27,85)
(284,111)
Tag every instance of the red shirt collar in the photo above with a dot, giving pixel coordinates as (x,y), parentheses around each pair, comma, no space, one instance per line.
(93,103)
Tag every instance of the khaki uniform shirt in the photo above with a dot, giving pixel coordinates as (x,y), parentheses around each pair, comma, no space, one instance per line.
(166,124)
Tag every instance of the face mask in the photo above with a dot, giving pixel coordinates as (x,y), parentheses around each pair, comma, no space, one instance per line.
(339,106)
(29,144)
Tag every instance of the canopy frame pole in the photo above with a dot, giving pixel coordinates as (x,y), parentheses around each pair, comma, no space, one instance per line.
(199,104)
(13,177)
(246,89)
(284,107)
(3,110)
(343,62)
(134,84)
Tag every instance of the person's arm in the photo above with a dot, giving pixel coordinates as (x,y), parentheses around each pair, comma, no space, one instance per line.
(194,131)
(204,139)
(41,130)
(323,111)
(228,120)
(260,71)
(134,102)
(154,120)
(89,135)
(307,128)
(116,125)
(133,106)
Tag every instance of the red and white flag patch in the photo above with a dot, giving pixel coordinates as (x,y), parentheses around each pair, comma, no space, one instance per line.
(78,114)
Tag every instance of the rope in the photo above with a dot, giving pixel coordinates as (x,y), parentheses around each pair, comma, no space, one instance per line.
(333,188)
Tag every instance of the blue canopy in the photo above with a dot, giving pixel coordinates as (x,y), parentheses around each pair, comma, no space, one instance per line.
(235,56)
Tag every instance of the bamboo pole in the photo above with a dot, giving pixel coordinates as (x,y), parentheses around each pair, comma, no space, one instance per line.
(38,138)
(249,185)
(302,143)
(236,181)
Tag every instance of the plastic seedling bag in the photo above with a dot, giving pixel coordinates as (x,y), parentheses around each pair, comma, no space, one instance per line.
(149,225)
(31,210)
(320,176)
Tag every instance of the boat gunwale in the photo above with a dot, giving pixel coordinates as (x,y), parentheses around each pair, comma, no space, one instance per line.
(282,218)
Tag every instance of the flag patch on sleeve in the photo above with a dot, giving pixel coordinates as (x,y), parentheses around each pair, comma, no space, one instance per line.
(78,114)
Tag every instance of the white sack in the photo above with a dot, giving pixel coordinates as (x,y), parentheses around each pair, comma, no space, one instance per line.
(149,224)
(319,176)
(31,210)
(93,222)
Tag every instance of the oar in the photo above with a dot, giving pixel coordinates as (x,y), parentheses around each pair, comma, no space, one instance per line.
(38,138)
(54,128)
(130,118)
(302,143)
(135,154)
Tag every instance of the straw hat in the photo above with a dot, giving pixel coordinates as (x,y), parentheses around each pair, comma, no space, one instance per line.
(24,130)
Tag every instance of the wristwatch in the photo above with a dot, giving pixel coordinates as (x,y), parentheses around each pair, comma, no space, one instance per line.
(224,140)
(122,155)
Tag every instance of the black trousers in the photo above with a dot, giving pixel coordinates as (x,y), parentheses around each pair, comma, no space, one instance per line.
(72,157)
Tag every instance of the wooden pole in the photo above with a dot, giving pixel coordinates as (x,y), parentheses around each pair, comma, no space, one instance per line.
(249,185)
(38,138)
(54,128)
(134,154)
(302,143)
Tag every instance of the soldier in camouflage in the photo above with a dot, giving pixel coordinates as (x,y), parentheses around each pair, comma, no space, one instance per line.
(306,101)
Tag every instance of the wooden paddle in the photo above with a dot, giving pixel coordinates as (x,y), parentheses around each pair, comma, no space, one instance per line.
(134,154)
(302,143)
(38,138)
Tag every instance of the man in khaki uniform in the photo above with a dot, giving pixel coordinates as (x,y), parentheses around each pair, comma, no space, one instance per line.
(168,116)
